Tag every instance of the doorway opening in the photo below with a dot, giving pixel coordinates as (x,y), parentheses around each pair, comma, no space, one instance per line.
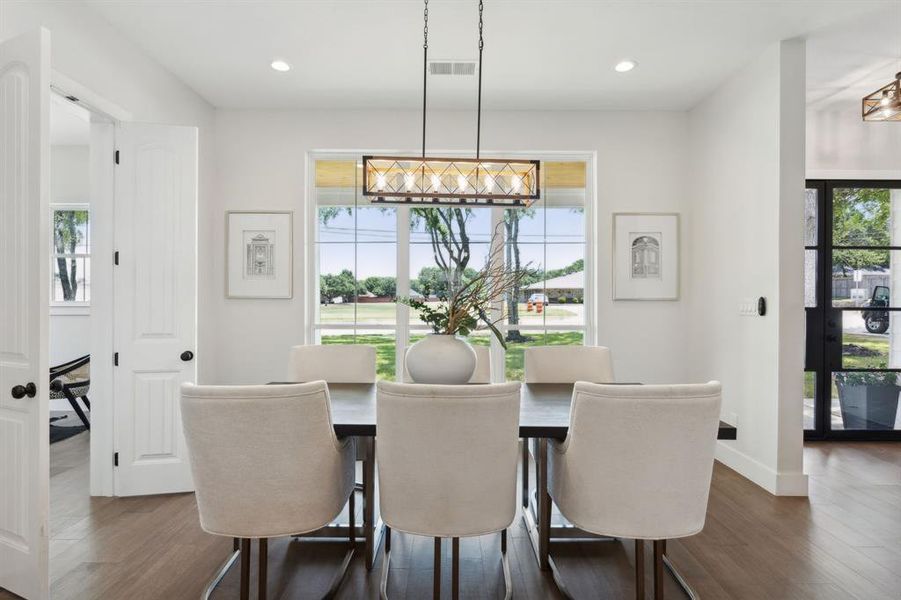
(853,303)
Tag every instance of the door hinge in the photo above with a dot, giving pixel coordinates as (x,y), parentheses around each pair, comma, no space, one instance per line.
(115,359)
(115,459)
(117,157)
(116,258)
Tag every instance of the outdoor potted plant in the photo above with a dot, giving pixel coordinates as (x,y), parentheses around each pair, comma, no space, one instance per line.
(444,356)
(868,399)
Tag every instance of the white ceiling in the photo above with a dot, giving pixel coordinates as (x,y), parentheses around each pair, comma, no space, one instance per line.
(538,55)
(70,125)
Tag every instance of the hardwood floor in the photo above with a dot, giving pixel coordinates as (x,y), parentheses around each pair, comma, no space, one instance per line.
(842,542)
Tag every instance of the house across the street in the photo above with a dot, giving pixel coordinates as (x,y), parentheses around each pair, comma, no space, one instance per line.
(568,288)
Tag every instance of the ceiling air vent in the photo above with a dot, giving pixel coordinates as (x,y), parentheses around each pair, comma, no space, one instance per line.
(452,67)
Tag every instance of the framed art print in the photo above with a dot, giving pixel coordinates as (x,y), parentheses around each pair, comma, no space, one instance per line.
(645,256)
(259,249)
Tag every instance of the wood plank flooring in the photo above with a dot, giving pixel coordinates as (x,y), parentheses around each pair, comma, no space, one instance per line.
(842,542)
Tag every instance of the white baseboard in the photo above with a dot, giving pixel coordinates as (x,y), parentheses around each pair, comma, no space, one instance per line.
(778,484)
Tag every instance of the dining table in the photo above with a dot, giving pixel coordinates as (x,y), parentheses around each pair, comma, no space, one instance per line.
(543,416)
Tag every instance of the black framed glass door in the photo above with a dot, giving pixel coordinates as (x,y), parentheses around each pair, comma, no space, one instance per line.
(852,300)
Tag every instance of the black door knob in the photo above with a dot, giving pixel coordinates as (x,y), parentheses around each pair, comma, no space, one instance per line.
(187,355)
(831,338)
(20,391)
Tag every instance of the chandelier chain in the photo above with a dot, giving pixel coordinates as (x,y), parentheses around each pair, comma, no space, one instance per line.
(425,66)
(479,106)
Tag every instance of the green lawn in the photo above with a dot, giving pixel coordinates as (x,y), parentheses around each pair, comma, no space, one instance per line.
(385,348)
(859,351)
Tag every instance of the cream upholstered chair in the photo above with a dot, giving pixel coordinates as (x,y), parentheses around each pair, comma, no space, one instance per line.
(266,463)
(447,465)
(637,464)
(334,363)
(482,374)
(567,364)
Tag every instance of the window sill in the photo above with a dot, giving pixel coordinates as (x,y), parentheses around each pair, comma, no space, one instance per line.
(62,310)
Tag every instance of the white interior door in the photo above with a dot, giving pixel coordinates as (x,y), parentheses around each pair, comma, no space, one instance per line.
(155,303)
(24,300)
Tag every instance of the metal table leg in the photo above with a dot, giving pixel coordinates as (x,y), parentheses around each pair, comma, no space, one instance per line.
(369,500)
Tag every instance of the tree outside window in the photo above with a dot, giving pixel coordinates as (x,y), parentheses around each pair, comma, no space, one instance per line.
(70,263)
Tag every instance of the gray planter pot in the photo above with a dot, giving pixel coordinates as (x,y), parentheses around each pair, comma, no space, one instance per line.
(868,406)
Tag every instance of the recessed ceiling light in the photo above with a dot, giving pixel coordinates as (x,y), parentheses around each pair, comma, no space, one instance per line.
(624,66)
(280,65)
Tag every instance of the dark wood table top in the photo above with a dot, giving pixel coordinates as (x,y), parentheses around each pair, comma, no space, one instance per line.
(544,411)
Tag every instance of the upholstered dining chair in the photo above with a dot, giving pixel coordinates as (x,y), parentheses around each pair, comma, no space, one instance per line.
(447,466)
(334,363)
(656,491)
(567,364)
(266,463)
(482,374)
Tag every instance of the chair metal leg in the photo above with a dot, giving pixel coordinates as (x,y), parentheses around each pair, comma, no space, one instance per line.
(658,570)
(245,569)
(86,401)
(436,579)
(222,570)
(505,561)
(678,576)
(639,569)
(455,568)
(74,402)
(263,583)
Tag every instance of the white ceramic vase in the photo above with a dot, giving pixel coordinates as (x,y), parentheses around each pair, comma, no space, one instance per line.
(442,359)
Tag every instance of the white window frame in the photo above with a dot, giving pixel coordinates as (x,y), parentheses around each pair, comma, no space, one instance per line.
(71,306)
(402,326)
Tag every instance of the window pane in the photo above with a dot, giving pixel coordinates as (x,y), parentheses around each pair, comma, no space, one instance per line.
(565,224)
(863,277)
(71,279)
(810,218)
(867,340)
(336,223)
(71,232)
(428,272)
(525,225)
(376,223)
(867,401)
(810,278)
(862,217)
(337,283)
(456,224)
(532,301)
(376,283)
(565,284)
(516,349)
(810,387)
(383,341)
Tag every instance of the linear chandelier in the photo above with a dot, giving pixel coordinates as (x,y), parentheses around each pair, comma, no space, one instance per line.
(451,181)
(885,103)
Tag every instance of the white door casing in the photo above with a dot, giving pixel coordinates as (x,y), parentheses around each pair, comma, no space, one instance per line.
(155,303)
(24,310)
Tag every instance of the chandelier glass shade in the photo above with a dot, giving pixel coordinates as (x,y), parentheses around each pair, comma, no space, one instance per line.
(454,181)
(885,103)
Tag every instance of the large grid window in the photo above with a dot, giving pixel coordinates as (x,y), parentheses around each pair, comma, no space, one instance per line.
(70,255)
(365,255)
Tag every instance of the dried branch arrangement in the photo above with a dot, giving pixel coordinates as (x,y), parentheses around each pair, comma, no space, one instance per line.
(465,306)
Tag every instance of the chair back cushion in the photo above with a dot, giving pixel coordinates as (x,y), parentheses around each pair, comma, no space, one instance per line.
(638,459)
(568,364)
(334,363)
(265,459)
(447,457)
(482,374)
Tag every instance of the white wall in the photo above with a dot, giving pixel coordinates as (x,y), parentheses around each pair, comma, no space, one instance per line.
(641,166)
(840,145)
(747,151)
(70,327)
